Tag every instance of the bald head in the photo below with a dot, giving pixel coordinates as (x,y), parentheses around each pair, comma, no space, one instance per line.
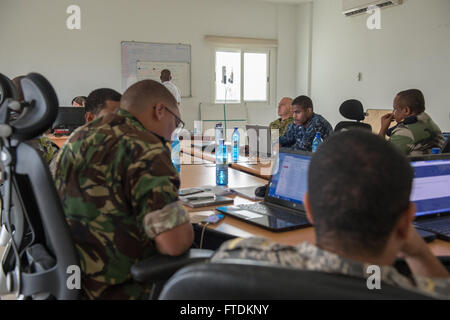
(285,108)
(18,85)
(165,75)
(153,105)
(145,94)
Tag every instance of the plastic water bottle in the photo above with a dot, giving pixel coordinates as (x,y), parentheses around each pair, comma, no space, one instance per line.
(317,141)
(219,133)
(221,164)
(176,148)
(236,139)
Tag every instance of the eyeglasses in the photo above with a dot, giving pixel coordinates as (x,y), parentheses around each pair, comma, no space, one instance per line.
(179,123)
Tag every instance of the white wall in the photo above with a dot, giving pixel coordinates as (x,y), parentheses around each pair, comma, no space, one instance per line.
(34,37)
(320,51)
(411,51)
(304,48)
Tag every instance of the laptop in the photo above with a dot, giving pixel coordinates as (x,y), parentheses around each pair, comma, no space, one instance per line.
(248,192)
(69,118)
(282,208)
(259,141)
(431,194)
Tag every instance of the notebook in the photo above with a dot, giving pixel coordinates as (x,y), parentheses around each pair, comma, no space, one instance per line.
(431,194)
(205,196)
(282,208)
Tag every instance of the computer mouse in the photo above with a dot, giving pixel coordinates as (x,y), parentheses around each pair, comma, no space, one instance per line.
(261,191)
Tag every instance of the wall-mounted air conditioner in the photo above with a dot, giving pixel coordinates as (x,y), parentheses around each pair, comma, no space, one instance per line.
(355,7)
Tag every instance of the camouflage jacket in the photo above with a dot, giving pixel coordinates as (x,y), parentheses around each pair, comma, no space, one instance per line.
(415,138)
(302,137)
(309,257)
(119,191)
(281,125)
(48,149)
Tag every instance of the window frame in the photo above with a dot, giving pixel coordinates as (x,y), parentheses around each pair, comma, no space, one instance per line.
(271,69)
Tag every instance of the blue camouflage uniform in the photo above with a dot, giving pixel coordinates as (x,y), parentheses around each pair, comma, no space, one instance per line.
(302,137)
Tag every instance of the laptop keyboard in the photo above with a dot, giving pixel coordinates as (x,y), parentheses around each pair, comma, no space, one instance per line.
(439,226)
(269,211)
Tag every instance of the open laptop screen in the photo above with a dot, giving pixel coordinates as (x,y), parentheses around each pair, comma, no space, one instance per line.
(431,186)
(290,182)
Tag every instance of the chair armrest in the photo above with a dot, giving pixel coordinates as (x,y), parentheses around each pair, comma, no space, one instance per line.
(161,268)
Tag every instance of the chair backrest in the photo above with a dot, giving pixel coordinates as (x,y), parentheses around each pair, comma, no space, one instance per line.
(446,147)
(40,256)
(255,281)
(7,89)
(347,125)
(352,110)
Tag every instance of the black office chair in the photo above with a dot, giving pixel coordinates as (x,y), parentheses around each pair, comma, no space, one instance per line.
(39,257)
(446,147)
(249,280)
(193,277)
(353,110)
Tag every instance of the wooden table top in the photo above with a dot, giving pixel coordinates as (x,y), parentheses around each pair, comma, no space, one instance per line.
(255,166)
(58,140)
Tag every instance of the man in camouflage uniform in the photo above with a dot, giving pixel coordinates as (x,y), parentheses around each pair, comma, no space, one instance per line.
(99,103)
(416,133)
(362,216)
(300,135)
(285,112)
(119,191)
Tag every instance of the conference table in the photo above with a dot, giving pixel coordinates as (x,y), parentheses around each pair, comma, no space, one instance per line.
(197,172)
(198,169)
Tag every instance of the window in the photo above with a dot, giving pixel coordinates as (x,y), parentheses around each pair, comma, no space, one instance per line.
(241,76)
(228,76)
(255,76)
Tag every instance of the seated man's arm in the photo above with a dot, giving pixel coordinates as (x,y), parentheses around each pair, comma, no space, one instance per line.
(176,241)
(317,125)
(154,186)
(274,125)
(403,140)
(170,228)
(326,130)
(420,259)
(288,139)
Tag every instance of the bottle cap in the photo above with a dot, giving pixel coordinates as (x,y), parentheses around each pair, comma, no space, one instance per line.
(436,151)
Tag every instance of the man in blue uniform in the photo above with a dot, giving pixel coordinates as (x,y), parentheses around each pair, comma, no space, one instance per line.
(300,135)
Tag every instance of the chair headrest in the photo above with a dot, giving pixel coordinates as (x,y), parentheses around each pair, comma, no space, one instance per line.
(40,108)
(352,109)
(7,89)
